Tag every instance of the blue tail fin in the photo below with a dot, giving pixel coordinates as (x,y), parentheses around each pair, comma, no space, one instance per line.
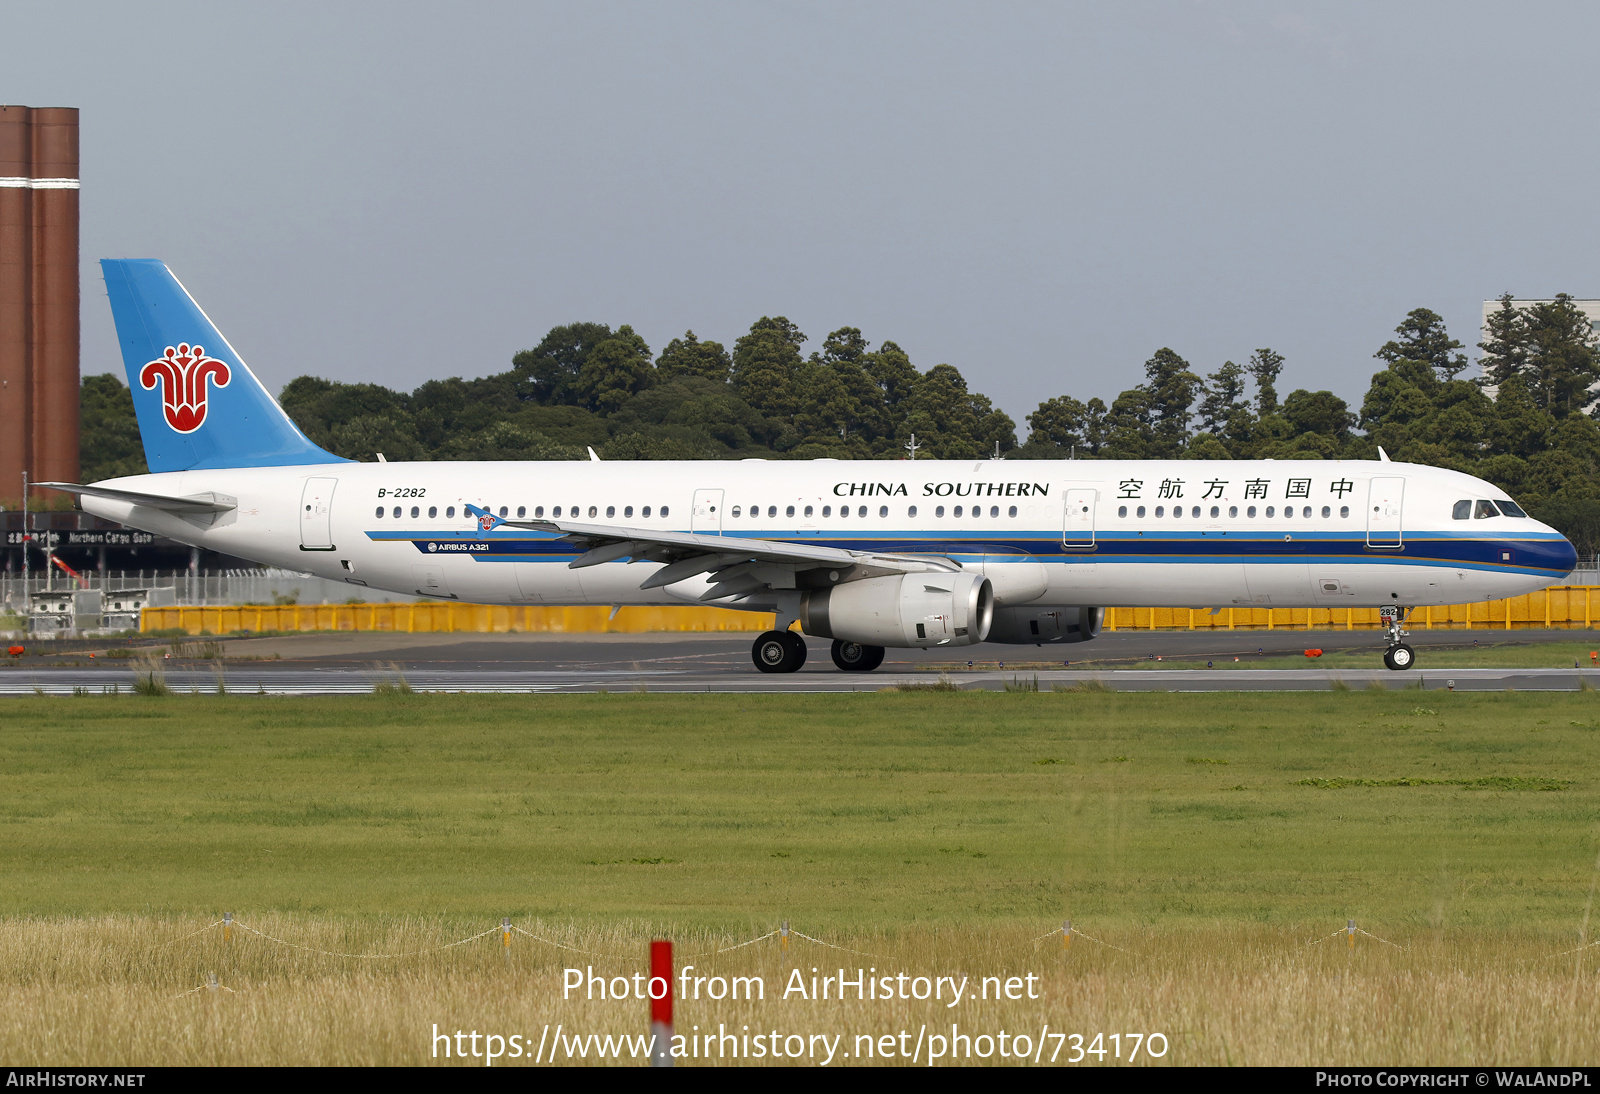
(198,405)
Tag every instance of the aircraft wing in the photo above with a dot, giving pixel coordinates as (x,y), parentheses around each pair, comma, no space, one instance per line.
(738,566)
(196,503)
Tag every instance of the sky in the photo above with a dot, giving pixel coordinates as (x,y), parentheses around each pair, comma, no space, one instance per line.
(1041,194)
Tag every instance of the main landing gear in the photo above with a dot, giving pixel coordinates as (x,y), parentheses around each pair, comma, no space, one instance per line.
(1398,656)
(779,651)
(854,657)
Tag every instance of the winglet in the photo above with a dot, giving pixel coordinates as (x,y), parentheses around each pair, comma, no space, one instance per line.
(592,454)
(1382,455)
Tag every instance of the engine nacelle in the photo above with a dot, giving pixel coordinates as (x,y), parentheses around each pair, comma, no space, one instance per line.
(1036,624)
(907,610)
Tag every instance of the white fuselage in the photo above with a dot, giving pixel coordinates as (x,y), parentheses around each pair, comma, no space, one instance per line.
(1091,532)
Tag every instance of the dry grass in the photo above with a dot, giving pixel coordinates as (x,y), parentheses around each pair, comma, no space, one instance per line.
(108,991)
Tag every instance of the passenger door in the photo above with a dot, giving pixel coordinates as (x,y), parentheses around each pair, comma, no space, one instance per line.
(1077,530)
(1383,512)
(316,515)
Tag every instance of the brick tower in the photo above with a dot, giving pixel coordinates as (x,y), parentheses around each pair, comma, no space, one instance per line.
(38,296)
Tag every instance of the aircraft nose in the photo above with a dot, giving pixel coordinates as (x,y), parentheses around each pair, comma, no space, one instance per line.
(1566,555)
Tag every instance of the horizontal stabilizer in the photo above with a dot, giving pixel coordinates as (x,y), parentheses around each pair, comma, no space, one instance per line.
(195,503)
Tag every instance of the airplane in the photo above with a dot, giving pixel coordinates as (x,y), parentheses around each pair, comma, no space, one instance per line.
(869,554)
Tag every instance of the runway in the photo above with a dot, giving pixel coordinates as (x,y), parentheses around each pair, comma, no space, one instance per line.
(343,664)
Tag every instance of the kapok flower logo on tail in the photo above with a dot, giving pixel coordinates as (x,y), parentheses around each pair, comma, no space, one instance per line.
(182,374)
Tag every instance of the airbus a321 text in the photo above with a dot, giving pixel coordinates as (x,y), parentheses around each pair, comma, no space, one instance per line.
(869,554)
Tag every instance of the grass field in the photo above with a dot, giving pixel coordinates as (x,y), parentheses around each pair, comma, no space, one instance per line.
(1209,836)
(1488,652)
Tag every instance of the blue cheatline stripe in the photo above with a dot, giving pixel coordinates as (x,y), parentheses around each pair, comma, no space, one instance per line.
(1538,554)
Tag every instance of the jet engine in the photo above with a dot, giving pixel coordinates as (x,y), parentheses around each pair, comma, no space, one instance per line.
(905,610)
(1036,624)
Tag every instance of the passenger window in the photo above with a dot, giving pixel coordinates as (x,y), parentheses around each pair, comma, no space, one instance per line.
(861,512)
(450,512)
(1288,512)
(664,510)
(504,512)
(956,511)
(1233,510)
(772,510)
(1195,512)
(883,510)
(396,512)
(789,512)
(1013,511)
(611,510)
(522,511)
(1269,512)
(645,512)
(735,510)
(1122,510)
(1344,511)
(433,511)
(1251,512)
(1139,512)
(1461,510)
(416,512)
(1161,510)
(380,512)
(938,510)
(755,511)
(994,510)
(911,512)
(628,511)
(1215,512)
(1177,511)
(1306,512)
(594,511)
(538,510)
(844,511)
(556,511)
(827,511)
(808,510)
(1327,511)
(1485,509)
(1511,509)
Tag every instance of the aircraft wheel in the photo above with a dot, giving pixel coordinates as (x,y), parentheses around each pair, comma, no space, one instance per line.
(775,651)
(855,657)
(1399,657)
(798,644)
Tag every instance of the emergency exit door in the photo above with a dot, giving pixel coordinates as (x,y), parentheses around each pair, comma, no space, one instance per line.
(1077,530)
(316,515)
(1383,512)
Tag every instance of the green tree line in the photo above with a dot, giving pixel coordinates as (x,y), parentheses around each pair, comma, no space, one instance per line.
(1524,424)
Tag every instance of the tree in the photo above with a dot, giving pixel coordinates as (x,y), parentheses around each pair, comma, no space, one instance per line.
(1423,338)
(1068,427)
(548,373)
(615,370)
(688,356)
(1225,412)
(1505,343)
(765,363)
(952,423)
(1562,365)
(1172,389)
(1319,412)
(1264,366)
(108,430)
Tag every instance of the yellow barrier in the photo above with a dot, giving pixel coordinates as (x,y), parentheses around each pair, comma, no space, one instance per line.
(1561,606)
(432,616)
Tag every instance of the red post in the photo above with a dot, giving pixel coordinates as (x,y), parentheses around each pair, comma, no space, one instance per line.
(661,1003)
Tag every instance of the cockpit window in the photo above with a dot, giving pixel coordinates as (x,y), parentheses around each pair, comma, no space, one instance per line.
(1462,510)
(1511,509)
(1484,509)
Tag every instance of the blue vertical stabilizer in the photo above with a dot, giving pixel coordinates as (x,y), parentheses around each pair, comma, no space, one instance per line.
(199,406)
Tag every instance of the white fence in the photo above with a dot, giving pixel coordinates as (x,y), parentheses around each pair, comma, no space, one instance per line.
(229,587)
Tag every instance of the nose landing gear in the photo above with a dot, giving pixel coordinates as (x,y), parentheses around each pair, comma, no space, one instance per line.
(779,651)
(1398,656)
